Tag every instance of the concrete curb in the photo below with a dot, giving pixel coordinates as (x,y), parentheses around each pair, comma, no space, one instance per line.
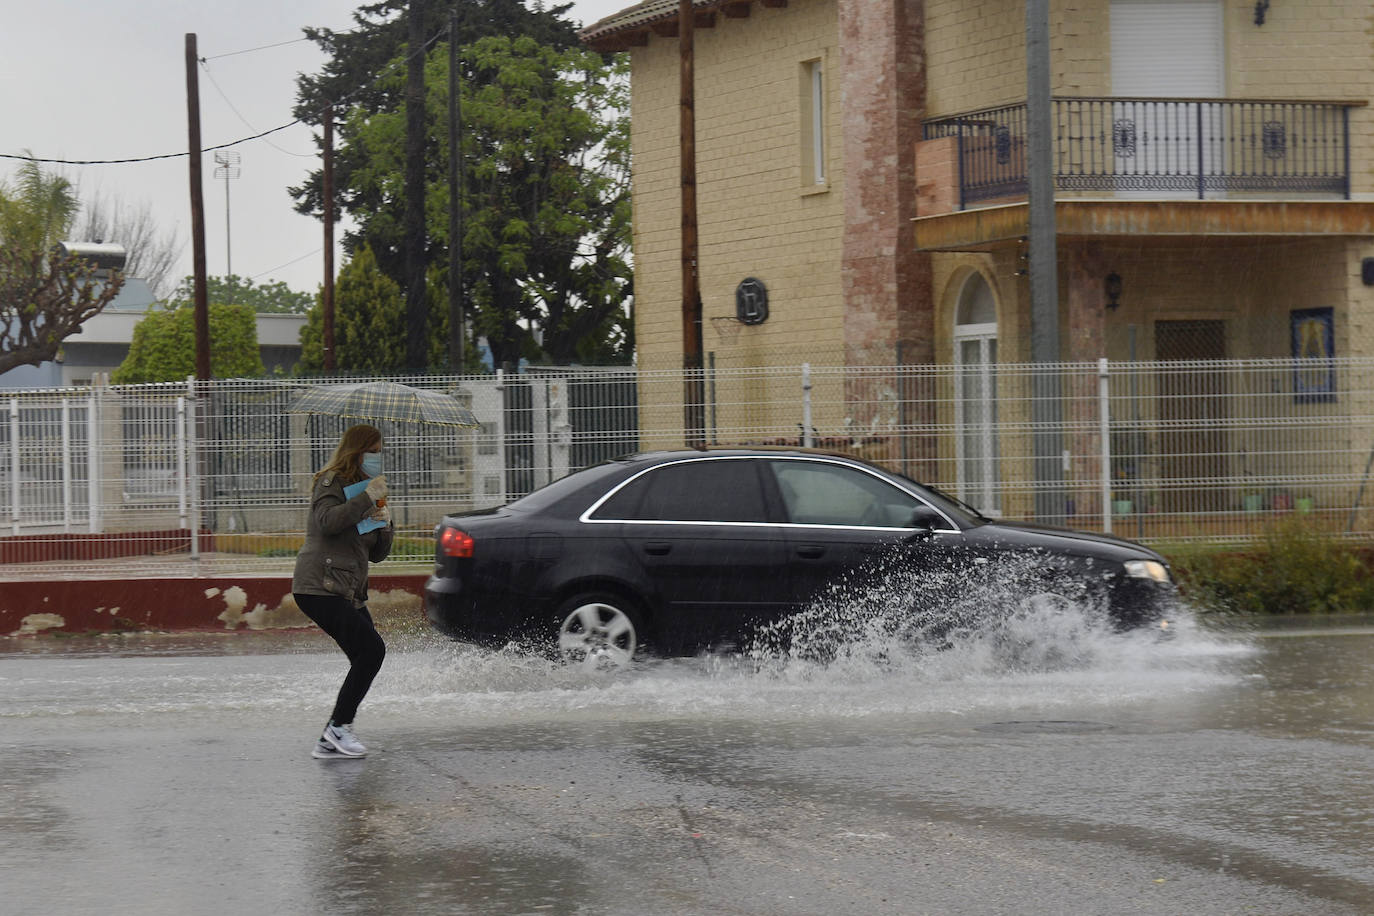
(217,603)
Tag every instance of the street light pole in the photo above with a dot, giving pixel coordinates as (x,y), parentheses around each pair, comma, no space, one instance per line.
(227,167)
(1046,406)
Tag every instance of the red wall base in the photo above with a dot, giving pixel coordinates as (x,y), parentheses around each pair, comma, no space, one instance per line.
(113,605)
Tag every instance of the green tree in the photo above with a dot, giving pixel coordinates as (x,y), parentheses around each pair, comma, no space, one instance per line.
(546,230)
(45,296)
(369,313)
(269,298)
(547,234)
(164,345)
(377,45)
(38,211)
(546,226)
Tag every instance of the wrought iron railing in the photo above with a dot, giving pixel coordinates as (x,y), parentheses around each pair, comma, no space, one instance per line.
(1198,147)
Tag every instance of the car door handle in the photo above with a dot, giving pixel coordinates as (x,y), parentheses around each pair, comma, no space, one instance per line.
(657,548)
(811,551)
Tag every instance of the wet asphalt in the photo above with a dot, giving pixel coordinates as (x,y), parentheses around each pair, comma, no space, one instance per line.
(1218,772)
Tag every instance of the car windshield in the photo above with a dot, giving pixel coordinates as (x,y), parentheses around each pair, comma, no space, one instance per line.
(954,501)
(953,505)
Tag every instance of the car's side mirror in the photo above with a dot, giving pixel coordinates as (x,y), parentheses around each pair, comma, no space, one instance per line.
(923,521)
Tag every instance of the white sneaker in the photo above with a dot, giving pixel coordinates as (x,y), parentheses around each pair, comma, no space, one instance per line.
(323,750)
(342,739)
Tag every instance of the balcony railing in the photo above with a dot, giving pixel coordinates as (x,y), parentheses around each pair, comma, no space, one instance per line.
(1158,147)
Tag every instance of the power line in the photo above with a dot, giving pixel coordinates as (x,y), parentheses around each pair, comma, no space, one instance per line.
(308,254)
(278,44)
(208,149)
(22,158)
(211,77)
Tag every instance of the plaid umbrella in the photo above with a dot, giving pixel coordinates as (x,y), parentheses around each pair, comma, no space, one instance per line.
(384,401)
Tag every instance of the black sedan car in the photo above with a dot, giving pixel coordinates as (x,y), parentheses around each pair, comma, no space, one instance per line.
(680,551)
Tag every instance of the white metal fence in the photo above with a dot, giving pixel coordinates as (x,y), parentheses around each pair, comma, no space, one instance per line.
(135,480)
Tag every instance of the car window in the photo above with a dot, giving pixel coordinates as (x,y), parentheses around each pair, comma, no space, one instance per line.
(552,493)
(719,490)
(822,493)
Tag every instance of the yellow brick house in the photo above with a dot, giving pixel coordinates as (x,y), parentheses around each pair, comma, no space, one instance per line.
(864,161)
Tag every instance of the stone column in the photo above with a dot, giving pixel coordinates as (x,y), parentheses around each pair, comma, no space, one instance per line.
(1086,267)
(1086,316)
(887,284)
(888,306)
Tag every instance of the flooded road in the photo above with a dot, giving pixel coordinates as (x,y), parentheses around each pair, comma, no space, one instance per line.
(1216,772)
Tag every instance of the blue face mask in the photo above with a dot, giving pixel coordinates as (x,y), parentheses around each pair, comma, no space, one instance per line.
(372,463)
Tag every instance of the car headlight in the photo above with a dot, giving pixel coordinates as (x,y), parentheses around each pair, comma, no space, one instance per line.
(1147,569)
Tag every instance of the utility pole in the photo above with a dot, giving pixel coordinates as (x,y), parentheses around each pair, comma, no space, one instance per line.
(202,308)
(456,337)
(327,296)
(693,385)
(1046,406)
(414,233)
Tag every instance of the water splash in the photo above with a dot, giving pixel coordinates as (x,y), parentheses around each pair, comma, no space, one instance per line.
(991,636)
(1001,616)
(857,652)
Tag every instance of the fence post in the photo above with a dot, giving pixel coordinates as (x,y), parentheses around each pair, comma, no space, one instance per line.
(66,467)
(808,439)
(501,450)
(711,391)
(93,459)
(1104,423)
(193,472)
(14,464)
(181,462)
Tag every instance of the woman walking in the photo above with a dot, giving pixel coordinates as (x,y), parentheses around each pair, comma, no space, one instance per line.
(349,525)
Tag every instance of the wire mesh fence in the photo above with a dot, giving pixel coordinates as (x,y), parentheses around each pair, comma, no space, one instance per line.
(213,479)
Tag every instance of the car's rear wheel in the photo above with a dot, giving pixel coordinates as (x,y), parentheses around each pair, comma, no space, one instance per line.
(599,631)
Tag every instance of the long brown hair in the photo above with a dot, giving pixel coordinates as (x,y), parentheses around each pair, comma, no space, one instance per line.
(347,463)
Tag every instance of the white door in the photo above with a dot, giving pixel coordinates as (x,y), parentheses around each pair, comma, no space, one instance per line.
(1166,49)
(975,397)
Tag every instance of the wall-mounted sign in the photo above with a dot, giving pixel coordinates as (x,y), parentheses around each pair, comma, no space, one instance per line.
(1314,349)
(751,301)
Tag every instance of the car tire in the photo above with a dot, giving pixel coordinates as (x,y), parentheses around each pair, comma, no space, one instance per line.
(599,631)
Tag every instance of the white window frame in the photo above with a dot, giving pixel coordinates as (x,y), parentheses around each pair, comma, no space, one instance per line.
(815,174)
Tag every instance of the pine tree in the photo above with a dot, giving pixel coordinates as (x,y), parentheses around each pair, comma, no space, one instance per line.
(369,313)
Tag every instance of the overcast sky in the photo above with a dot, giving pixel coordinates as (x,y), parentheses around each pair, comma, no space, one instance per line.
(106,79)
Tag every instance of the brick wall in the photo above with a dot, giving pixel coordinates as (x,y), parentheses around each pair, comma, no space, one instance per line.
(887,283)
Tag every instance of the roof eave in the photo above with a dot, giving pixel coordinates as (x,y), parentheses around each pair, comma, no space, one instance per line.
(631,27)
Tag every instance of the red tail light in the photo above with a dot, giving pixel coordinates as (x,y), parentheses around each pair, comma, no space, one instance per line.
(455,543)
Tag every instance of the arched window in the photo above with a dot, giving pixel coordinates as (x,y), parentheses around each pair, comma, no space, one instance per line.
(975,401)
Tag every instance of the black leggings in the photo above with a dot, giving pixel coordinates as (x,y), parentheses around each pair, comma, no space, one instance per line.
(352,628)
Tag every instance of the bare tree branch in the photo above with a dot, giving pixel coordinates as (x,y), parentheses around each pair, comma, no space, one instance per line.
(152,254)
(44,299)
